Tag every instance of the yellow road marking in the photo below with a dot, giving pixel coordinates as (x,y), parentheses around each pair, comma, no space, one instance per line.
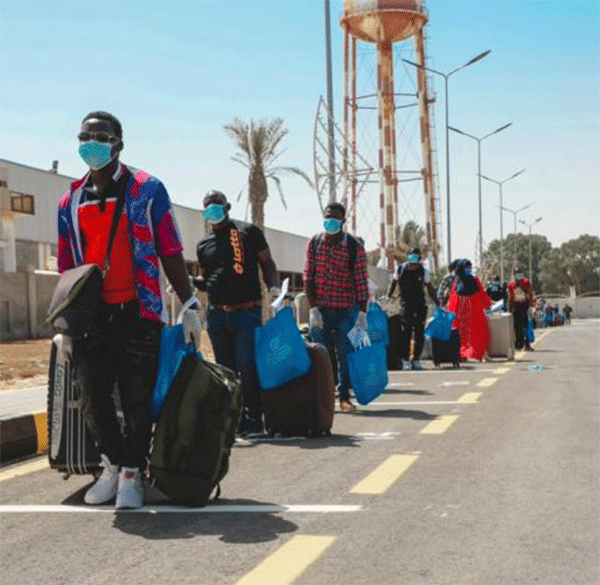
(288,561)
(41,427)
(542,335)
(439,425)
(486,382)
(469,398)
(24,469)
(385,475)
(499,371)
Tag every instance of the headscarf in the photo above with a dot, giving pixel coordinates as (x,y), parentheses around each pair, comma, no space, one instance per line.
(466,284)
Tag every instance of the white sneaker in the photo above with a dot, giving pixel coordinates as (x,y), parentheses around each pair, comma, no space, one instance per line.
(416,365)
(406,365)
(105,489)
(130,493)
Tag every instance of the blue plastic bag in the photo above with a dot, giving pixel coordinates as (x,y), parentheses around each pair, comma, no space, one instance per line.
(280,353)
(368,372)
(172,350)
(440,327)
(378,324)
(530,333)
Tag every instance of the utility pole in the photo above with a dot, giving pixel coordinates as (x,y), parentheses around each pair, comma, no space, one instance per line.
(530,225)
(330,124)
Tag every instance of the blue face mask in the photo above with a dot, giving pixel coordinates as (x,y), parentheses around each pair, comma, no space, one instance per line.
(214,213)
(332,226)
(469,271)
(413,258)
(96,155)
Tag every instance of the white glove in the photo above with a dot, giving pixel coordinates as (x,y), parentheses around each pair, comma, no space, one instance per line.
(192,326)
(315,319)
(361,321)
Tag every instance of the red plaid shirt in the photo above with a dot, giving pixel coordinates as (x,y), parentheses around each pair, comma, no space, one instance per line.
(328,268)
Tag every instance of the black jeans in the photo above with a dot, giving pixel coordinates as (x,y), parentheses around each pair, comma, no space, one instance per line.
(414,321)
(232,339)
(520,319)
(124,350)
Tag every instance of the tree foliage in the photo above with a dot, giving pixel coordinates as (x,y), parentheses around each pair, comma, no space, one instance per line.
(259,147)
(540,248)
(576,263)
(410,235)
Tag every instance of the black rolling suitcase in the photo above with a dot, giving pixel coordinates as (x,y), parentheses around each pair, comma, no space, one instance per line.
(72,447)
(396,331)
(444,352)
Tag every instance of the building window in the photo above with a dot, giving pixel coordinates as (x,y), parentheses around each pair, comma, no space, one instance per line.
(21,203)
(3,184)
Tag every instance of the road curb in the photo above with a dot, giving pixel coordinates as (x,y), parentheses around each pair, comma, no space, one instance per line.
(24,436)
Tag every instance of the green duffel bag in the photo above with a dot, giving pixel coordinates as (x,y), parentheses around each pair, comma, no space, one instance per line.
(195,431)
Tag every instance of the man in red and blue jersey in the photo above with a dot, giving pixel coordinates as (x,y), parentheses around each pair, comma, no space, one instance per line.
(124,345)
(336,283)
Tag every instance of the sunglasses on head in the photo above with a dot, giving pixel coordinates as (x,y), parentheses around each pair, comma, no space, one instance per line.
(99,136)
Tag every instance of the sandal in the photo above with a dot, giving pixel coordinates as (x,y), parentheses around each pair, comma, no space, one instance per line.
(347,406)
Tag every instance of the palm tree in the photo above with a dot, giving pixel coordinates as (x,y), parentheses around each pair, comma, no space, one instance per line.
(410,235)
(259,148)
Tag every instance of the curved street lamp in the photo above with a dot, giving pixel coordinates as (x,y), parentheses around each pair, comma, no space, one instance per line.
(530,225)
(500,183)
(446,77)
(479,141)
(516,212)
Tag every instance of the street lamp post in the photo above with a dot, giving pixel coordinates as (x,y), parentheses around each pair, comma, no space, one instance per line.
(530,225)
(446,76)
(479,141)
(330,125)
(515,213)
(500,183)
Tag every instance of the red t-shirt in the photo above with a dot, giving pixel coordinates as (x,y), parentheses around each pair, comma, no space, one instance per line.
(519,292)
(119,284)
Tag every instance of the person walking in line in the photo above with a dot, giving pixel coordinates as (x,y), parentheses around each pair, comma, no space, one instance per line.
(469,302)
(567,310)
(412,278)
(443,292)
(337,289)
(124,345)
(229,258)
(520,299)
(496,291)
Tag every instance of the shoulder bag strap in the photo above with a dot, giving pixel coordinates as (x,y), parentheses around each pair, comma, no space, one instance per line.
(120,188)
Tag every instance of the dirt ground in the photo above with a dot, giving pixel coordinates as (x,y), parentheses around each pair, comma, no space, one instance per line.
(25,363)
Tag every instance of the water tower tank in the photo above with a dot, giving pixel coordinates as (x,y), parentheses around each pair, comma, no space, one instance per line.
(380,21)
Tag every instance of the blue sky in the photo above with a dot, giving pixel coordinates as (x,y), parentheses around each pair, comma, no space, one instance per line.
(176,72)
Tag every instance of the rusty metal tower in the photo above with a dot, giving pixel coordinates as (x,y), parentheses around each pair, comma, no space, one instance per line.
(383,23)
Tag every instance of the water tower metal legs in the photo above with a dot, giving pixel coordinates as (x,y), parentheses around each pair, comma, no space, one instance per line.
(428,187)
(388,192)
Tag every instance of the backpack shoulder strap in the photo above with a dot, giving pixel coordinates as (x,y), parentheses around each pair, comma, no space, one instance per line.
(314,244)
(352,251)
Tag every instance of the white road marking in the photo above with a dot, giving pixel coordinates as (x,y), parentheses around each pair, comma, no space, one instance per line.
(425,402)
(457,383)
(210,509)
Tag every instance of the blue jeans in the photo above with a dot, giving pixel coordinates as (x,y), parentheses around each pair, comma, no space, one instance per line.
(337,323)
(232,338)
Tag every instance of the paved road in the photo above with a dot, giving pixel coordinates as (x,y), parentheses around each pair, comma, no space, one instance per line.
(15,403)
(486,476)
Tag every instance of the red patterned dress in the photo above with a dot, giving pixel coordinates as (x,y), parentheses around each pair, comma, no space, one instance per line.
(471,321)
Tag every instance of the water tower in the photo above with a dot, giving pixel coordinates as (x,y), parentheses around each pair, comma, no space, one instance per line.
(383,23)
